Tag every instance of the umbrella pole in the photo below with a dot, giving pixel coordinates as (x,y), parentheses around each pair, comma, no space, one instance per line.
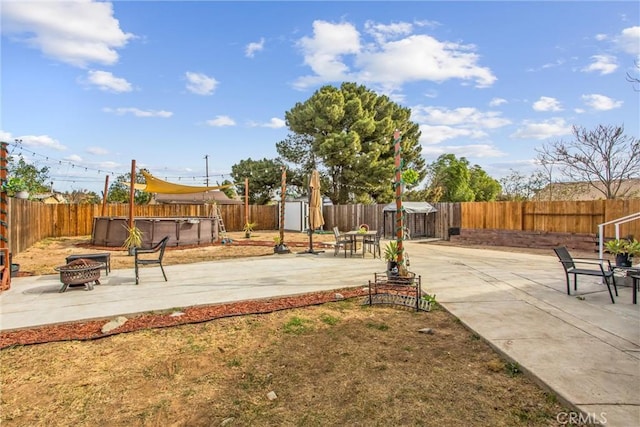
(310,250)
(310,231)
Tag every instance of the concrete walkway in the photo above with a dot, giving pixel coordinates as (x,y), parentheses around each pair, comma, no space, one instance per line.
(584,348)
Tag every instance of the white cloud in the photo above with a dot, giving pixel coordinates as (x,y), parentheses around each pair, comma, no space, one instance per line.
(200,84)
(629,40)
(386,63)
(73,32)
(600,102)
(468,151)
(106,81)
(604,64)
(41,141)
(546,103)
(108,165)
(221,121)
(254,47)
(275,123)
(496,102)
(138,112)
(382,32)
(5,136)
(74,158)
(97,151)
(463,116)
(542,130)
(422,57)
(437,134)
(323,52)
(431,93)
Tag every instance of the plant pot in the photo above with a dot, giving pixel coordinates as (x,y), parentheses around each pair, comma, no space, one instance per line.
(22,195)
(247,235)
(131,250)
(623,260)
(281,249)
(392,269)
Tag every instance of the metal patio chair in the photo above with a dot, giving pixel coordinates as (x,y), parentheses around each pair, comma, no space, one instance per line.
(157,250)
(586,267)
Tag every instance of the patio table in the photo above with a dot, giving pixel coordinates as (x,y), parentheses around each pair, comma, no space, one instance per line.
(633,273)
(358,235)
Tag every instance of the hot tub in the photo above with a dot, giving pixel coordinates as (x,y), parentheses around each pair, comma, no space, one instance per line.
(182,231)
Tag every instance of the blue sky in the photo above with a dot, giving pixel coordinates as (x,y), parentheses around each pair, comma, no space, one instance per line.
(88,86)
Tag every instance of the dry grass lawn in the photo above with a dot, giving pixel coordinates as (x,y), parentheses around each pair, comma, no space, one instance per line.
(336,364)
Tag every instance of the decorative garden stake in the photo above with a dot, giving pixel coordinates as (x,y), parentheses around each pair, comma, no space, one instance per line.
(5,282)
(399,208)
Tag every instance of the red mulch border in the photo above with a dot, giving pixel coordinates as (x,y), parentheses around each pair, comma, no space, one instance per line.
(91,330)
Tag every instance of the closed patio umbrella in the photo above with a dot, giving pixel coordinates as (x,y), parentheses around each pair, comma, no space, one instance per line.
(316,220)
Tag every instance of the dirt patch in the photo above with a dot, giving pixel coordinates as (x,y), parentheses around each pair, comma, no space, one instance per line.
(44,256)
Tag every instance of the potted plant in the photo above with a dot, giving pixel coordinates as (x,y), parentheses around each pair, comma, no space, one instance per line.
(395,270)
(391,256)
(133,240)
(632,248)
(248,228)
(618,247)
(17,187)
(279,247)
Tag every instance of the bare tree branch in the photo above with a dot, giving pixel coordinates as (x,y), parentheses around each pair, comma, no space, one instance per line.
(603,158)
(634,79)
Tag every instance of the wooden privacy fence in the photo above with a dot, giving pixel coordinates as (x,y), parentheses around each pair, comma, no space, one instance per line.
(554,217)
(31,221)
(349,217)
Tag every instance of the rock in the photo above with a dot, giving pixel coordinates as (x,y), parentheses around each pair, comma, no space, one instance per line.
(338,296)
(227,421)
(114,324)
(272,395)
(428,331)
(177,314)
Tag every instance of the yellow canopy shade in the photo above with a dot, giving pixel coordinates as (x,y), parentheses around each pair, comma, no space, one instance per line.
(155,185)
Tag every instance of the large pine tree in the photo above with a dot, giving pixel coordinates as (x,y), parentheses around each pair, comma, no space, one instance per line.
(347,133)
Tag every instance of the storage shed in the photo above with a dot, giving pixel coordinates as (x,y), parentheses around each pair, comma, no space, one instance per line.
(419,220)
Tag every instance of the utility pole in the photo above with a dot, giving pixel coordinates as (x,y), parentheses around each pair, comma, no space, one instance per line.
(206,160)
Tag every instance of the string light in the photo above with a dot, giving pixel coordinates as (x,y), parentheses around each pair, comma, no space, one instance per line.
(17,145)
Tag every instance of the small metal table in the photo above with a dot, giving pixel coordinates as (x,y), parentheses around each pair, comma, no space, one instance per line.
(103,257)
(634,274)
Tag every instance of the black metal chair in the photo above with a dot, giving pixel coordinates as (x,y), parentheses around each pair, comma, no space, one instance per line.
(586,267)
(158,250)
